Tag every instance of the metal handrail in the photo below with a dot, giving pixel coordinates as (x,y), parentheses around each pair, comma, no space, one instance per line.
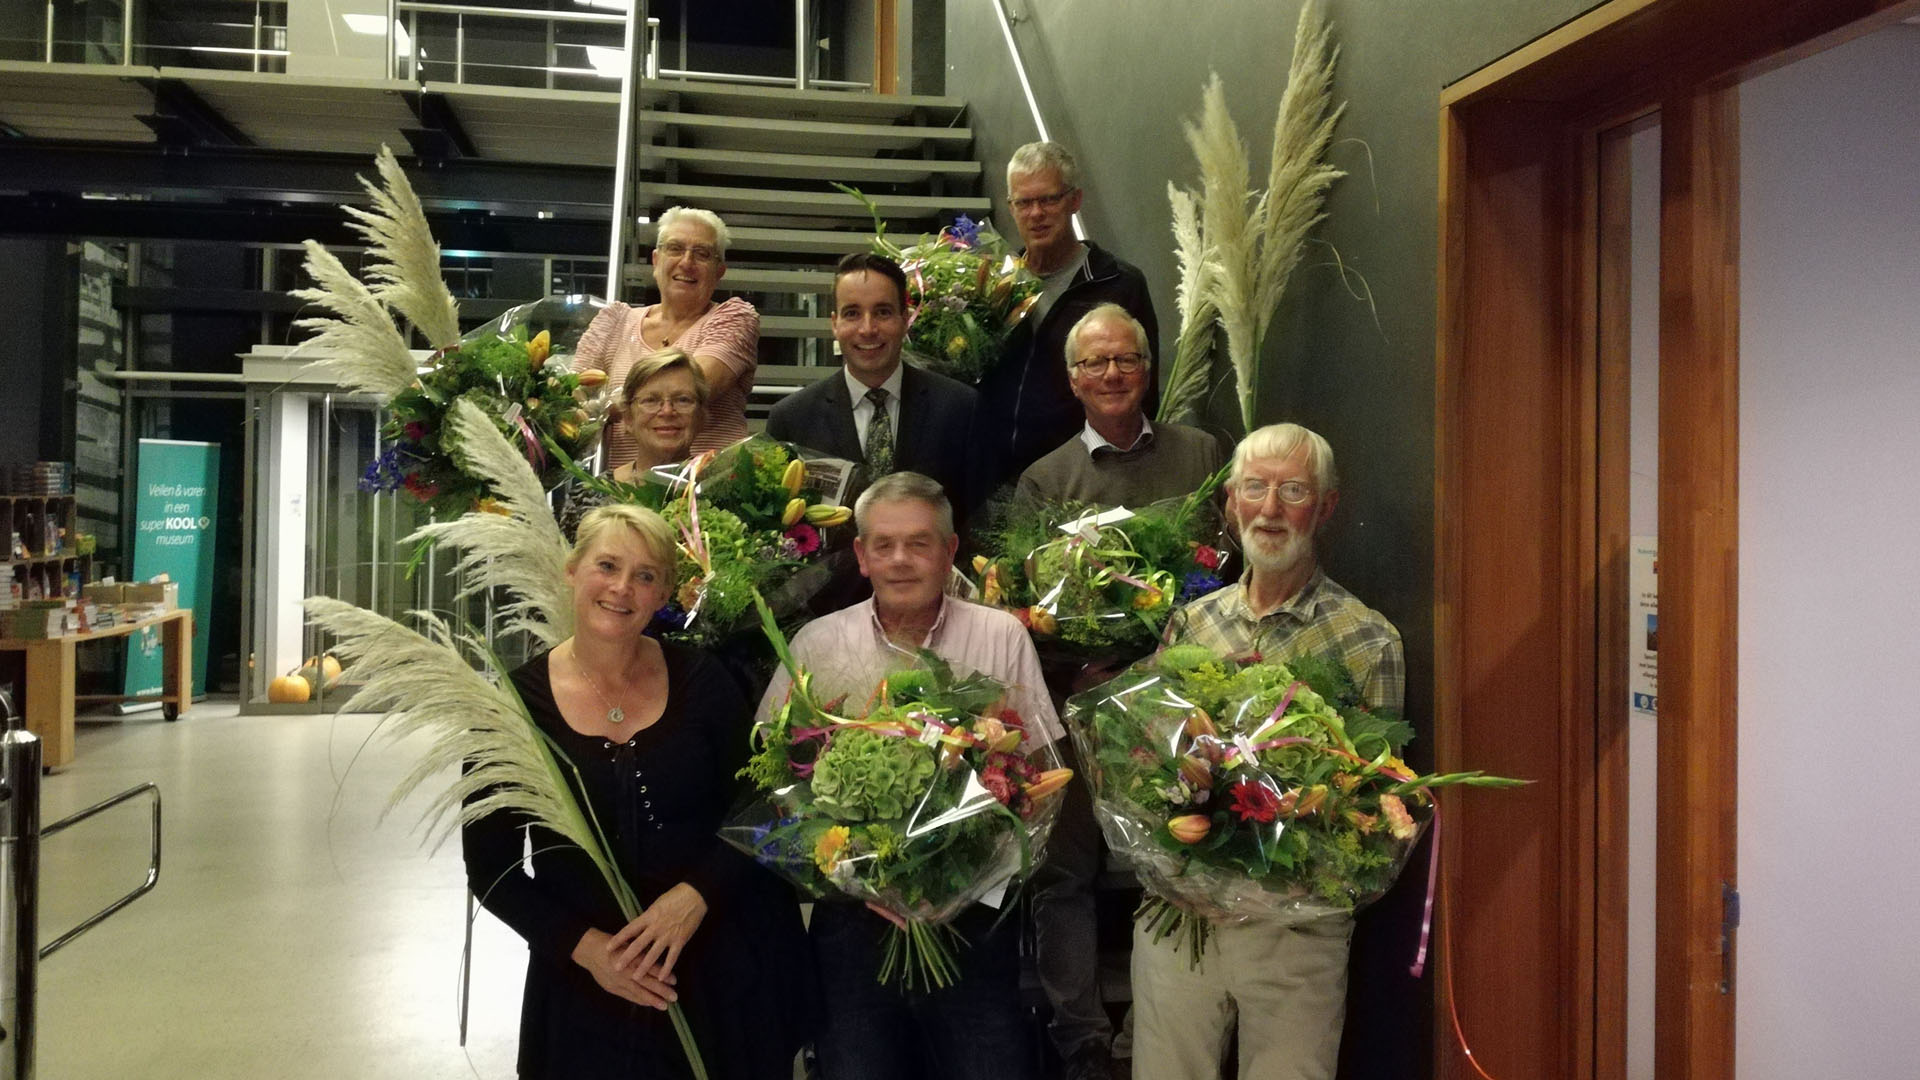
(1026,88)
(126,36)
(153,861)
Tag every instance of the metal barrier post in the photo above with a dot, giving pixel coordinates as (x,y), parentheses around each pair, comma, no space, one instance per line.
(19,890)
(20,835)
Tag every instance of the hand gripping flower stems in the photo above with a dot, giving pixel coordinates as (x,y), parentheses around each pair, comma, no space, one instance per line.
(1243,789)
(925,801)
(479,730)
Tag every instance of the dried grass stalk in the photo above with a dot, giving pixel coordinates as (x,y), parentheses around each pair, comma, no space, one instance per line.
(407,277)
(521,547)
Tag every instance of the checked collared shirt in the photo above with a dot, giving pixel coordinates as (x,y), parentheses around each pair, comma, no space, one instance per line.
(1321,619)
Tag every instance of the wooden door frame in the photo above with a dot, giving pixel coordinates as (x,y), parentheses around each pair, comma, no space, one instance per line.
(1534,893)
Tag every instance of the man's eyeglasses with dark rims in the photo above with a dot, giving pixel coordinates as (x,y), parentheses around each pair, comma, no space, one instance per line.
(1127,363)
(700,253)
(1039,202)
(1254,490)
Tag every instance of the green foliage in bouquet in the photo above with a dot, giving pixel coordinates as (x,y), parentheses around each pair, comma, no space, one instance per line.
(749,520)
(920,803)
(1105,589)
(532,399)
(1252,787)
(967,291)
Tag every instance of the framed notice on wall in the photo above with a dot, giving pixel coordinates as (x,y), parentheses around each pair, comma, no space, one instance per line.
(1643,626)
(173,528)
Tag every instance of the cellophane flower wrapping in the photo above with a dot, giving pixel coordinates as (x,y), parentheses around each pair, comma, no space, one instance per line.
(758,515)
(967,290)
(924,799)
(1091,582)
(516,369)
(1251,788)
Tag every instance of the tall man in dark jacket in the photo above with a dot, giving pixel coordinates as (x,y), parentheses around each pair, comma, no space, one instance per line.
(1026,404)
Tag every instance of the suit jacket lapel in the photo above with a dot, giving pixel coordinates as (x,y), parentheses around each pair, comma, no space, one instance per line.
(842,437)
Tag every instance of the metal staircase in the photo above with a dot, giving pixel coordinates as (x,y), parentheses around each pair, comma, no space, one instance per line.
(765,159)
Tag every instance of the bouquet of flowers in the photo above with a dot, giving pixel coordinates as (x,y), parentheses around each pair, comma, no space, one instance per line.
(924,800)
(967,292)
(1251,788)
(1099,582)
(752,518)
(518,381)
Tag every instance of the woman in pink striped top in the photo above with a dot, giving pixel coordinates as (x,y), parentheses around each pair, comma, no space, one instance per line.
(689,259)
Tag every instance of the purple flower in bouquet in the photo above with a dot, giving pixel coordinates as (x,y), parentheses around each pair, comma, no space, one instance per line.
(1197,584)
(388,471)
(964,233)
(670,618)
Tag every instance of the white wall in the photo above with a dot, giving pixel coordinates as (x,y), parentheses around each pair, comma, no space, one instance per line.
(320,40)
(1829,850)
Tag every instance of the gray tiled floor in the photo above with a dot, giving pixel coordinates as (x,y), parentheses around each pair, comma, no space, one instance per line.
(292,934)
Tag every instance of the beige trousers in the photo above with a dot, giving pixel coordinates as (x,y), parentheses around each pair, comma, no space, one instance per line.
(1286,987)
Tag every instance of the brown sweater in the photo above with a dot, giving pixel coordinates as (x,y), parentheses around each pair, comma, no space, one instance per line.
(1175,461)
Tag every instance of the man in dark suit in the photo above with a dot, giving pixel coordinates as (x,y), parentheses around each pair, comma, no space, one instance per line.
(926,416)
(891,416)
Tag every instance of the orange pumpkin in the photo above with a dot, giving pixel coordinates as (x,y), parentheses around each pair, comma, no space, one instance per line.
(288,690)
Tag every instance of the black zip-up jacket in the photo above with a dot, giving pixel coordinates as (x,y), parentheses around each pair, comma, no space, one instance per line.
(1027,408)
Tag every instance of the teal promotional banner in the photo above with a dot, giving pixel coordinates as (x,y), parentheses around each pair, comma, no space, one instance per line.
(173,522)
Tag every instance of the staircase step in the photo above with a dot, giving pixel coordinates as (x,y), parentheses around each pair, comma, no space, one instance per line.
(795,326)
(847,170)
(783,103)
(745,133)
(829,203)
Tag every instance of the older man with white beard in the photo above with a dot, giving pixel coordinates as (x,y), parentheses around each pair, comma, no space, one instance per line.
(1285,985)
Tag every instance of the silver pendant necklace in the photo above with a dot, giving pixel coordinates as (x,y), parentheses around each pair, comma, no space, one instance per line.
(615,714)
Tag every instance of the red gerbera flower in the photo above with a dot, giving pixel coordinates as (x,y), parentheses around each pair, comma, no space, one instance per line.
(806,539)
(1255,802)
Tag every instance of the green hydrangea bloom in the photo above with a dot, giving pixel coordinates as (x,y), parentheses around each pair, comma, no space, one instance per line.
(865,775)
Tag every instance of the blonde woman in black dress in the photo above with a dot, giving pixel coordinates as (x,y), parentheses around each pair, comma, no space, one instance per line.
(657,732)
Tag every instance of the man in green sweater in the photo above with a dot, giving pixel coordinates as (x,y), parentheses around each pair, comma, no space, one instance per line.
(1120,458)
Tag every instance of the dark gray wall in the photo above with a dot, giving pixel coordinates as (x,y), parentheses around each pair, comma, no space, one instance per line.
(36,357)
(1114,78)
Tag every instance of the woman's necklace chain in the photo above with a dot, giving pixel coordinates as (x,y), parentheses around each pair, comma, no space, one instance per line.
(615,714)
(670,330)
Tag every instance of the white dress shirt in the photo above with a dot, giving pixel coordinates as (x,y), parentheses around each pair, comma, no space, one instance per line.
(863,409)
(1095,441)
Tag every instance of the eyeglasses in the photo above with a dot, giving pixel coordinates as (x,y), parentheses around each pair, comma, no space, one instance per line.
(654,403)
(1095,366)
(1040,202)
(700,253)
(1254,490)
